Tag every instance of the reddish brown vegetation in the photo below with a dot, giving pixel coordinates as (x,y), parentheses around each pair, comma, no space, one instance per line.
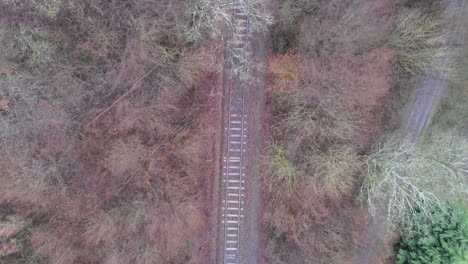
(4,71)
(360,82)
(286,71)
(128,176)
(105,175)
(335,102)
(5,105)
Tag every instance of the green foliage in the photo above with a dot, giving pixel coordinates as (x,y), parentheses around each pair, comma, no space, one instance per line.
(337,169)
(440,239)
(283,171)
(419,42)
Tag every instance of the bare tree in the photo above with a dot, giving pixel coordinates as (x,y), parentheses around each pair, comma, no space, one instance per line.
(241,19)
(209,16)
(405,178)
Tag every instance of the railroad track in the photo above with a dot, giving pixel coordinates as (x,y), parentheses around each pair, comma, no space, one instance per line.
(234,139)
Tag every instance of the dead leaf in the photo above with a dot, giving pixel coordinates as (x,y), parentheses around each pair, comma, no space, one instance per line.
(5,71)
(45,105)
(5,105)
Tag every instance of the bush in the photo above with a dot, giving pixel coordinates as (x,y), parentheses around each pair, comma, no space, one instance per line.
(11,225)
(283,172)
(337,169)
(208,16)
(286,29)
(14,231)
(438,240)
(313,122)
(337,27)
(419,41)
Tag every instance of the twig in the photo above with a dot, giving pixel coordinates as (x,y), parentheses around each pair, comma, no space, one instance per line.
(134,87)
(163,144)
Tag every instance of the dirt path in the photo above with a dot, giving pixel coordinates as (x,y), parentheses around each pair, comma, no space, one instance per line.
(425,103)
(431,89)
(252,239)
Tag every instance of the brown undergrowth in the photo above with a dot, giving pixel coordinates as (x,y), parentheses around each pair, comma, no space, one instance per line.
(327,87)
(108,137)
(317,212)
